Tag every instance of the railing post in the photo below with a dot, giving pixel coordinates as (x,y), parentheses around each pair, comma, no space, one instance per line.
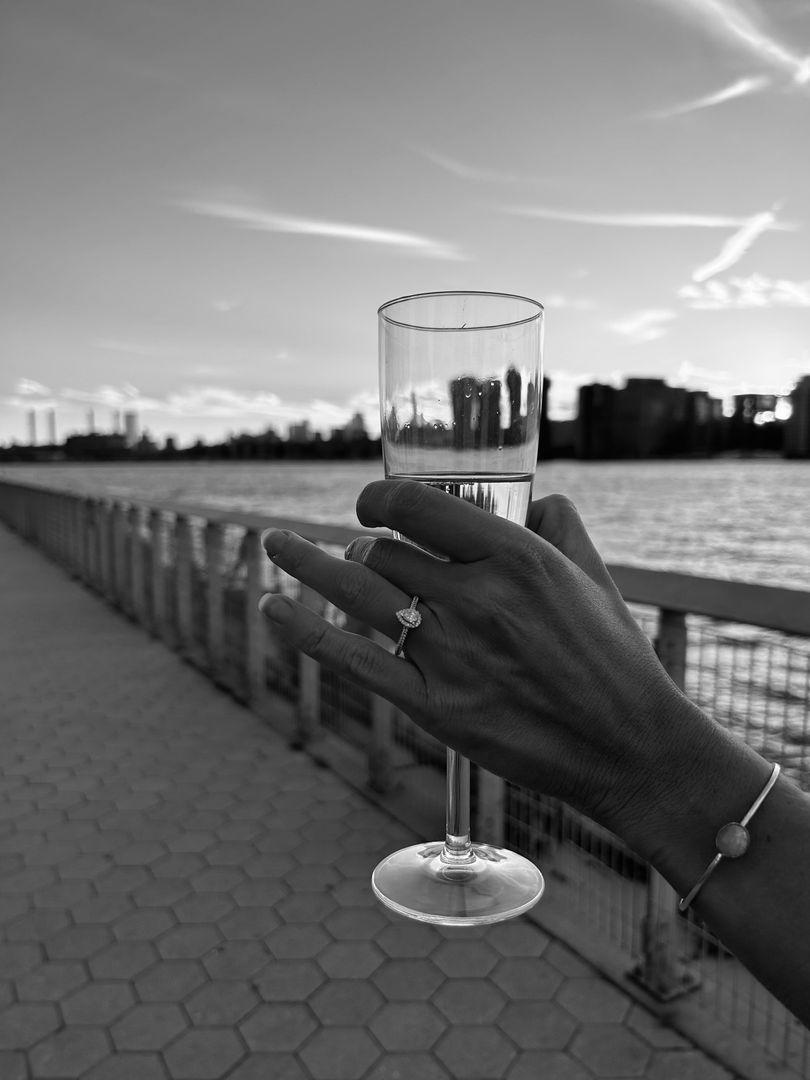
(255,623)
(380,769)
(490,807)
(309,682)
(157,530)
(105,548)
(119,554)
(663,970)
(185,629)
(136,567)
(215,612)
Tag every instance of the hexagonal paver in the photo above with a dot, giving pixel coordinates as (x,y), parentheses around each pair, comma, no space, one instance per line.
(313,878)
(124,960)
(350,959)
(518,938)
(296,942)
(465,958)
(188,942)
(259,893)
(407,1025)
(355,924)
(23,1025)
(222,1004)
(144,925)
(229,854)
(567,961)
(339,1003)
(525,977)
(162,892)
(217,879)
(69,1053)
(305,907)
(469,1001)
(475,1053)
(78,942)
(536,1025)
(192,841)
(102,909)
(278,1027)
(35,926)
(148,1027)
(98,1003)
(249,923)
(123,879)
(407,980)
(611,1050)
(289,980)
(205,908)
(51,981)
(593,999)
(17,959)
(204,1055)
(13,1065)
(551,1063)
(123,1066)
(236,960)
(170,980)
(339,1053)
(408,1067)
(407,940)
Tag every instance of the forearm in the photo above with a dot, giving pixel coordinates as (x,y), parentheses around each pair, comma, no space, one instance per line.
(757,904)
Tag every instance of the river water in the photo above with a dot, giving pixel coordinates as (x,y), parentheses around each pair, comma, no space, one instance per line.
(747,520)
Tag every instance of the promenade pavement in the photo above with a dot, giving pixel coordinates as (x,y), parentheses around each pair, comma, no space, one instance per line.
(183,896)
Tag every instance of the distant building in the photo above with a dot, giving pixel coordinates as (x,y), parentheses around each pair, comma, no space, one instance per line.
(32,427)
(797,427)
(356,428)
(52,427)
(131,433)
(645,418)
(91,422)
(300,433)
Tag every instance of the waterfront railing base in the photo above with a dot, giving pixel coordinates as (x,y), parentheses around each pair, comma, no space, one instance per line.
(192,577)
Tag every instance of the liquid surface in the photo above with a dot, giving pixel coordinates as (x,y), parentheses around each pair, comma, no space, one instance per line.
(506,496)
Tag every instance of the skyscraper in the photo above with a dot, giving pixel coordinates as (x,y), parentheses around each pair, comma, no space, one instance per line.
(130,428)
(32,427)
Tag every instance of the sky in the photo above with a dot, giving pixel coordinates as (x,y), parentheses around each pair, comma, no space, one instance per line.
(204,203)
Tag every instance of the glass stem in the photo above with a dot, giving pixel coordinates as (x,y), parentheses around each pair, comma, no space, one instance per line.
(457,842)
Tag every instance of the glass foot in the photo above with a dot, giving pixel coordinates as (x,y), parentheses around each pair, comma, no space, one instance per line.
(487,885)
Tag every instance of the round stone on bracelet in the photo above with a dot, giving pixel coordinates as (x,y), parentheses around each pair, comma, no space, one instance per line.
(732,840)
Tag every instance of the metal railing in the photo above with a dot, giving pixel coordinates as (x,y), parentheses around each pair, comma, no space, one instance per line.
(193,576)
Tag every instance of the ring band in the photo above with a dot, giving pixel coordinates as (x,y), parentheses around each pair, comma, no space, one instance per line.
(409,618)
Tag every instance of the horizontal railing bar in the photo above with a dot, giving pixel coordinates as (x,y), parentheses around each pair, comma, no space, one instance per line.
(770,606)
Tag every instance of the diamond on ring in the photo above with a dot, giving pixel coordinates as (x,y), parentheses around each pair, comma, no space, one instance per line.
(409,618)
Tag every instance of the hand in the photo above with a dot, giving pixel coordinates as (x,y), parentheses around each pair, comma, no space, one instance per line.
(527,659)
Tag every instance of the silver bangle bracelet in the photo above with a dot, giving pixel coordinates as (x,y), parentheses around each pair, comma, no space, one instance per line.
(731,842)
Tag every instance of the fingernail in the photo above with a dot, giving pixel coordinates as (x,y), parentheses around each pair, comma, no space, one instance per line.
(358,549)
(273,541)
(275,607)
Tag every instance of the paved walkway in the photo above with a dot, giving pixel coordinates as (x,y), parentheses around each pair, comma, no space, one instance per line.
(182,896)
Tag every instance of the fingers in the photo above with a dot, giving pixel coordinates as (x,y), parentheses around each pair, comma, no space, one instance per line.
(357,657)
(433,519)
(556,520)
(412,570)
(350,586)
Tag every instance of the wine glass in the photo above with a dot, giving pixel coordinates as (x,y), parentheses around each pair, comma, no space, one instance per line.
(460,390)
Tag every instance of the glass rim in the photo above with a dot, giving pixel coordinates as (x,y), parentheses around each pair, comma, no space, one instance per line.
(381,311)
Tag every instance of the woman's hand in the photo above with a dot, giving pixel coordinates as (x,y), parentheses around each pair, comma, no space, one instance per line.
(527,659)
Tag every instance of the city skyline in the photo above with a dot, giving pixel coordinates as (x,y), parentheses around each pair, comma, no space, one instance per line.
(204,207)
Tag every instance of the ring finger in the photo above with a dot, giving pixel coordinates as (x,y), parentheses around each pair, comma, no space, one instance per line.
(352,587)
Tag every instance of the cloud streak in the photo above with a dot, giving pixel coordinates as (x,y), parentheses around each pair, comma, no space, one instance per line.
(247,217)
(656,220)
(741,88)
(755,291)
(643,326)
(744,29)
(736,246)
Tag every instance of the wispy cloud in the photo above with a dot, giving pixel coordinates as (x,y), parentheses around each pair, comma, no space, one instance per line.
(557,300)
(744,27)
(642,326)
(474,174)
(31,388)
(736,245)
(248,217)
(655,220)
(741,88)
(756,291)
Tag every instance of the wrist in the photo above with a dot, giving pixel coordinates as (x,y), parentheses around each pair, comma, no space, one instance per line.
(692,778)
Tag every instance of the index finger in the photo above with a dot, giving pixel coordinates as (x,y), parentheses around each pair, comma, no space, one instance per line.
(438,520)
